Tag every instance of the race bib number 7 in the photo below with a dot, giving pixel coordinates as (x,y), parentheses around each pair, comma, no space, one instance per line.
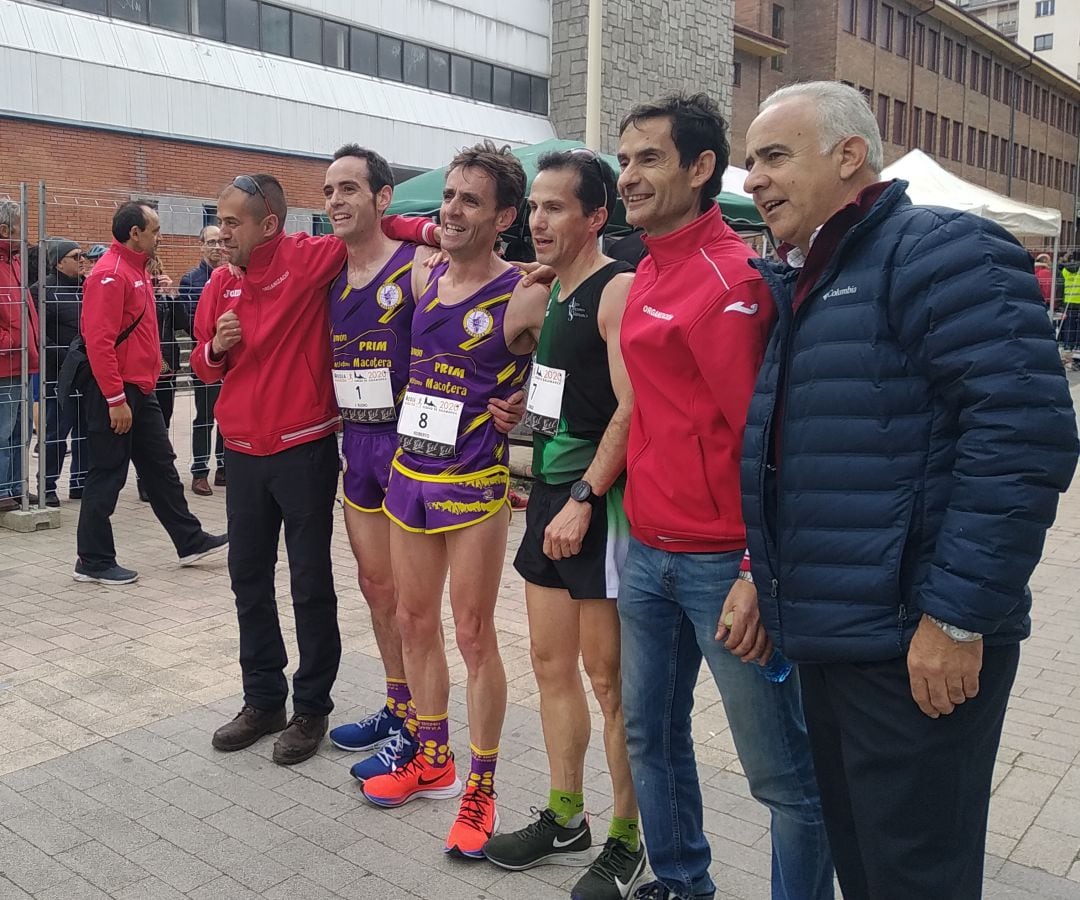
(429,425)
(544,407)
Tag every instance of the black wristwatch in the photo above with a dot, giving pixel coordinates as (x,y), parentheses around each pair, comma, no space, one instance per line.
(581,491)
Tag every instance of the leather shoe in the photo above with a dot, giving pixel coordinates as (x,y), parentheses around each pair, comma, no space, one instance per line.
(249,725)
(219,478)
(201,487)
(301,739)
(9,504)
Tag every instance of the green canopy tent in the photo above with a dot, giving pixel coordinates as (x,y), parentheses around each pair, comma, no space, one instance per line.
(422,195)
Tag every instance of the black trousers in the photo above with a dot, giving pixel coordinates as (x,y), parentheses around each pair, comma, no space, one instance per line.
(147,445)
(166,397)
(59,424)
(202,429)
(905,797)
(295,487)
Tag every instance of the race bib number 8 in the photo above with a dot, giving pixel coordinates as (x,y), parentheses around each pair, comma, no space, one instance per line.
(544,407)
(429,425)
(364,395)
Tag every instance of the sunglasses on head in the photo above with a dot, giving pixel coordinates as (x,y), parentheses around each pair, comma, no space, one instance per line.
(250,186)
(594,157)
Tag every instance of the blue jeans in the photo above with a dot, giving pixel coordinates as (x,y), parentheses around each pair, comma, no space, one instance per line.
(11,437)
(669,605)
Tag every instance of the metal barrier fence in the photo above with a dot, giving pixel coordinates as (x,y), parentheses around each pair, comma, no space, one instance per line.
(42,448)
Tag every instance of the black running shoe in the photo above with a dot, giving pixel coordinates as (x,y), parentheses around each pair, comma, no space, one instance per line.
(544,841)
(613,874)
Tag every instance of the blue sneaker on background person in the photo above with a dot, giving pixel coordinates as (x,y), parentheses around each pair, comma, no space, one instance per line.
(369,733)
(397,753)
(113,574)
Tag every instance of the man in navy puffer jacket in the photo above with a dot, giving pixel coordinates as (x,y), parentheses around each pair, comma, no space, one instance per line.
(910,432)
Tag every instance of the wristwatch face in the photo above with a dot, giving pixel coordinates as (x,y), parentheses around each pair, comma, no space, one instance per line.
(580,491)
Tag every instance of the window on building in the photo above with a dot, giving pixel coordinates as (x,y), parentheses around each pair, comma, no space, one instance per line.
(885,33)
(960,72)
(947,58)
(920,44)
(438,62)
(930,133)
(1057,173)
(1014,165)
(1003,162)
(883,115)
(981,155)
(242,23)
(1023,163)
(209,214)
(1018,91)
(847,15)
(778,21)
(899,121)
(975,60)
(91,6)
(957,141)
(307,37)
(1033,168)
(933,41)
(997,81)
(481,81)
(736,74)
(390,62)
(867,19)
(539,96)
(1036,112)
(130,10)
(1027,96)
(994,146)
(1042,168)
(903,26)
(520,91)
(208,19)
(984,78)
(916,124)
(867,95)
(971,146)
(500,86)
(414,64)
(170,14)
(776,63)
(1044,42)
(461,75)
(1044,8)
(943,148)
(274,30)
(335,45)
(363,51)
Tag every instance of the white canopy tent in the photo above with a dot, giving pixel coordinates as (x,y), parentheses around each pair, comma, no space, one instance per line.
(931,185)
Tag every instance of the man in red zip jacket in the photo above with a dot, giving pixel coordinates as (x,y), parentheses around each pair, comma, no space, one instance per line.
(693,336)
(124,421)
(264,333)
(12,389)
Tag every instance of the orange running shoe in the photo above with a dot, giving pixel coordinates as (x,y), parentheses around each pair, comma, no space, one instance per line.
(418,778)
(477,820)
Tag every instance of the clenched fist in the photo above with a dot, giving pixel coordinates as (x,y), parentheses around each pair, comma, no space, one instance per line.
(227,334)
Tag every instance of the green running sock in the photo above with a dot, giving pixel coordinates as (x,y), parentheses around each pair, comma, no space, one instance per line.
(569,808)
(625,830)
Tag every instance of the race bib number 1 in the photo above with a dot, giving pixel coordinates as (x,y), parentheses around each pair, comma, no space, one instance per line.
(364,395)
(544,407)
(429,425)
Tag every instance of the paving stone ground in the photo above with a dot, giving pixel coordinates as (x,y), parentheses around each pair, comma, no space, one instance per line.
(109,787)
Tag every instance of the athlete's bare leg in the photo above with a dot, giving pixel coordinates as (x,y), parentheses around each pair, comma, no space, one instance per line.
(369,535)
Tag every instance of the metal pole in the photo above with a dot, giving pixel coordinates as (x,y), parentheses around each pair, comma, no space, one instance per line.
(42,372)
(592,76)
(1053,274)
(24,351)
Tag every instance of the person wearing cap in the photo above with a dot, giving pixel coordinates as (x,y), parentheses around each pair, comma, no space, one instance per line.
(90,258)
(63,307)
(1044,276)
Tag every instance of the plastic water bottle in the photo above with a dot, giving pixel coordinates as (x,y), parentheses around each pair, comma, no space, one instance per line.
(776,669)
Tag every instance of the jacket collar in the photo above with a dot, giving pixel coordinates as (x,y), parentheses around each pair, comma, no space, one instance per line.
(262,257)
(134,257)
(9,250)
(688,240)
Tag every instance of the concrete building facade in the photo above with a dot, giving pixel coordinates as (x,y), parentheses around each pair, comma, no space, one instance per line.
(938,79)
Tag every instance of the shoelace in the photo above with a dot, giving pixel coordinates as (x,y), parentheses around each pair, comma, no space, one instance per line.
(537,828)
(654,890)
(393,751)
(301,720)
(406,770)
(612,860)
(474,808)
(374,718)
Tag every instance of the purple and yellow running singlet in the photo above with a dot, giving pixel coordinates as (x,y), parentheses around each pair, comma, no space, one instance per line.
(370,331)
(453,467)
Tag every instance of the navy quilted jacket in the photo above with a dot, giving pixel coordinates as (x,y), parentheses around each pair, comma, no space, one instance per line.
(924,435)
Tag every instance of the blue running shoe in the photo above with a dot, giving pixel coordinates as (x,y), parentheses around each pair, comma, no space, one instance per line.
(369,733)
(399,752)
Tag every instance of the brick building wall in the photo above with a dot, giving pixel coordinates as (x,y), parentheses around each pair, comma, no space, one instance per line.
(914,96)
(650,48)
(88,172)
